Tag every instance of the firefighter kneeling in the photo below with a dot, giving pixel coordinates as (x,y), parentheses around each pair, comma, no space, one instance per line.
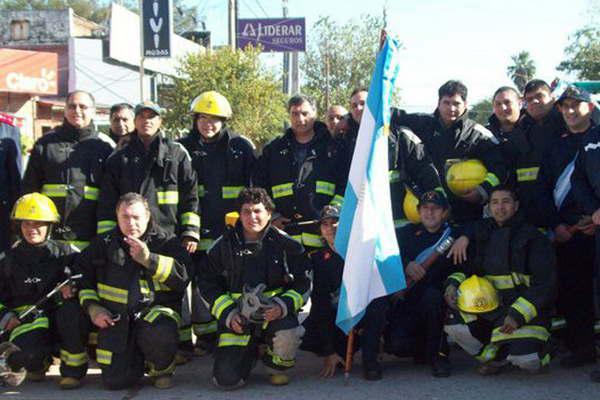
(500,316)
(255,281)
(134,278)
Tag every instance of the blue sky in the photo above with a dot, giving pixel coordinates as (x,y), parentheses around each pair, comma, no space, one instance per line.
(471,40)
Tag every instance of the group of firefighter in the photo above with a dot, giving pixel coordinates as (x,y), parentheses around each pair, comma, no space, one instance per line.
(179,248)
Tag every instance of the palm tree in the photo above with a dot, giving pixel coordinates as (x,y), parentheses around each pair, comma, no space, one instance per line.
(522,69)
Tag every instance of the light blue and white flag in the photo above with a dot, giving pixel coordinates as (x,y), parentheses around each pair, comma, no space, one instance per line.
(365,236)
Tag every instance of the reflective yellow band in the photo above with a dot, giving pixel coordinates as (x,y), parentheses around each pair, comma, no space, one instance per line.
(79,244)
(38,323)
(103,357)
(326,188)
(525,308)
(111,293)
(91,193)
(275,359)
(488,353)
(297,238)
(231,192)
(524,332)
(527,174)
(394,176)
(144,288)
(557,323)
(73,359)
(268,293)
(205,328)
(467,317)
(220,304)
(458,277)
(337,200)
(231,339)
(283,190)
(164,268)
(88,294)
(521,279)
(185,334)
(55,190)
(201,191)
(312,240)
(296,298)
(168,197)
(190,218)
(546,360)
(205,244)
(2,307)
(492,179)
(105,225)
(157,311)
(501,281)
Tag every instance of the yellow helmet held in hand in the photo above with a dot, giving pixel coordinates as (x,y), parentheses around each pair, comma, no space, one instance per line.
(477,295)
(35,207)
(231,218)
(211,103)
(464,176)
(409,205)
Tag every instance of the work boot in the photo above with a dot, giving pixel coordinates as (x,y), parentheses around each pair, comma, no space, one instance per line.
(595,375)
(67,383)
(491,368)
(440,367)
(181,357)
(163,382)
(36,376)
(279,379)
(578,359)
(372,370)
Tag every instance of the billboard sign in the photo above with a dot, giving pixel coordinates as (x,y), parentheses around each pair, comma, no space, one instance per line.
(24,71)
(273,34)
(157,28)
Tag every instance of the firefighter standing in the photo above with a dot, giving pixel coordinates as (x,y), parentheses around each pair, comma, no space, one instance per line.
(28,272)
(134,278)
(10,173)
(223,161)
(303,170)
(67,165)
(254,256)
(519,262)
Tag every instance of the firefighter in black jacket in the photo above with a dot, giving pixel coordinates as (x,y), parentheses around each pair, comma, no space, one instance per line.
(417,318)
(159,169)
(10,173)
(303,170)
(255,257)
(28,272)
(134,278)
(519,262)
(223,161)
(449,136)
(67,165)
(322,336)
(572,227)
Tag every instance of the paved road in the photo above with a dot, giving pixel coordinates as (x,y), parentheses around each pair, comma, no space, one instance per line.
(402,380)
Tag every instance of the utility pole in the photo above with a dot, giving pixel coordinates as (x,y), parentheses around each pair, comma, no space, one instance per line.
(233,12)
(286,57)
(141,52)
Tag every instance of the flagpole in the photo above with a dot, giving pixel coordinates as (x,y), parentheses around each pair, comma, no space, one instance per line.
(349,355)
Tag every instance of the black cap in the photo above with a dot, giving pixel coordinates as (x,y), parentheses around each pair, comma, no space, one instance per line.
(329,211)
(575,93)
(434,197)
(148,105)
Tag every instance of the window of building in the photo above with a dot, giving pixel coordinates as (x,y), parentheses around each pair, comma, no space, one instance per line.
(19,30)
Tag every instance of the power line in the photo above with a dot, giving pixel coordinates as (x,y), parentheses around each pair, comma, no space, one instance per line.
(261,7)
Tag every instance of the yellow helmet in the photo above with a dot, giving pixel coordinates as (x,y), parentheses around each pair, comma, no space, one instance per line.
(35,207)
(465,175)
(477,295)
(231,218)
(211,103)
(409,205)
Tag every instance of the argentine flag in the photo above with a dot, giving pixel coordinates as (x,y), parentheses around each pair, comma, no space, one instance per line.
(365,237)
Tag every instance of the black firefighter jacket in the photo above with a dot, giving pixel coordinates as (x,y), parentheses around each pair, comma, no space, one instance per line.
(163,175)
(586,176)
(67,165)
(223,168)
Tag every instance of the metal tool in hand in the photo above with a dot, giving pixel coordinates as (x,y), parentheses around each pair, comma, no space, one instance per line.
(253,303)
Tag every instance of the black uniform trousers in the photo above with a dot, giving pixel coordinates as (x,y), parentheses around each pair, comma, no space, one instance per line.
(575,302)
(416,324)
(65,336)
(151,347)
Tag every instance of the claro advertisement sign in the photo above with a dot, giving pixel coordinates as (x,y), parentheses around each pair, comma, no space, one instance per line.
(28,72)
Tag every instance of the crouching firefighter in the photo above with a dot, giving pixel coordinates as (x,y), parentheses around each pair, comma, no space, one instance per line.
(29,273)
(255,281)
(501,316)
(134,277)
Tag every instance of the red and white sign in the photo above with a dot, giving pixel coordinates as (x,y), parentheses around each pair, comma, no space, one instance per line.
(24,71)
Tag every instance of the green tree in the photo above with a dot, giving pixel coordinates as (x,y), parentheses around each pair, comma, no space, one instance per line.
(94,10)
(583,54)
(253,92)
(339,58)
(522,69)
(481,111)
